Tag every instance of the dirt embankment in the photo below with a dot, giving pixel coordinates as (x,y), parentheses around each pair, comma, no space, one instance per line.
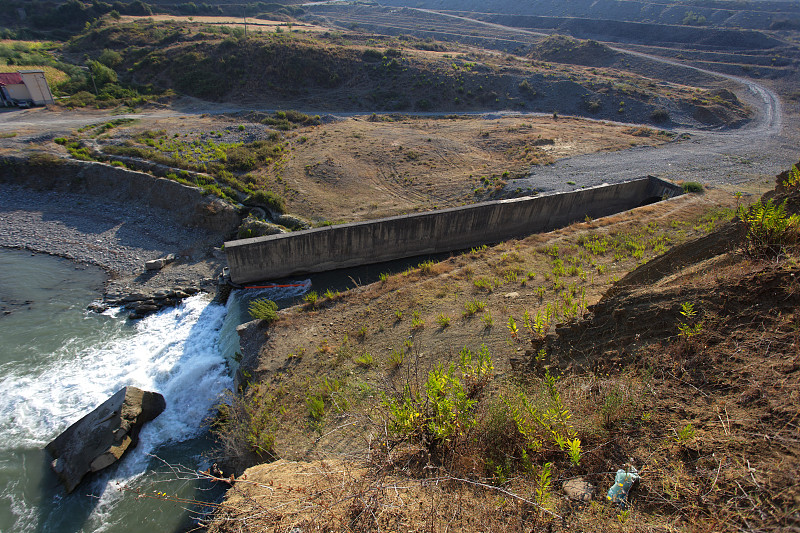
(687,368)
(116,219)
(187,205)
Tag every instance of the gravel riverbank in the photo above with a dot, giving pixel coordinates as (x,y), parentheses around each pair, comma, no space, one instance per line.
(114,236)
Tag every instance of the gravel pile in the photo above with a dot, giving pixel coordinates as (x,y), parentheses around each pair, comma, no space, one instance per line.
(116,237)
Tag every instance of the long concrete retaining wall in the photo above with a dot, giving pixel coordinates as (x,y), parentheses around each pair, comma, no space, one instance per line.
(459,228)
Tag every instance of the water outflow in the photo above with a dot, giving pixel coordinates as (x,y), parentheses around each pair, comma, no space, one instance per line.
(58,362)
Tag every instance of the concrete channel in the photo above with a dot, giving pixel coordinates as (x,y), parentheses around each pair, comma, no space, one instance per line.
(459,228)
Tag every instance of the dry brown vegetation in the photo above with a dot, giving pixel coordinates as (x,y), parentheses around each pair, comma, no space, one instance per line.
(708,418)
(370,166)
(360,71)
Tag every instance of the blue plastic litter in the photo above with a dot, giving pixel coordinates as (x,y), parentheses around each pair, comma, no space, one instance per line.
(618,493)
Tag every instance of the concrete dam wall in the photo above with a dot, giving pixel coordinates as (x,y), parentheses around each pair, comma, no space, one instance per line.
(459,228)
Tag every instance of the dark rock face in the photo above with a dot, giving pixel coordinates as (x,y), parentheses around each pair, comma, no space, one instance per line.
(102,437)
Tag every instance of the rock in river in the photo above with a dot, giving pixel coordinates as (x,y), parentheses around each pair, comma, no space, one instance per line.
(100,438)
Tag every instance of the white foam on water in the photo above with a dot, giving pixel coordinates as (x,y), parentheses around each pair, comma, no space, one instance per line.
(174,352)
(294,289)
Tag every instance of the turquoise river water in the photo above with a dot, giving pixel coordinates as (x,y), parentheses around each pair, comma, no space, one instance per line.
(59,361)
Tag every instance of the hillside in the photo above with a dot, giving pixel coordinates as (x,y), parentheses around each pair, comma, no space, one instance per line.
(748,14)
(352,72)
(771,54)
(686,368)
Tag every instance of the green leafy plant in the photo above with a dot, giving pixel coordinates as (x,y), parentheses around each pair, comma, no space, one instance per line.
(545,421)
(541,322)
(331,294)
(311,298)
(690,326)
(443,321)
(692,186)
(769,228)
(476,367)
(685,434)
(444,412)
(484,284)
(366,360)
(512,327)
(473,306)
(245,424)
(426,267)
(574,451)
(316,407)
(792,178)
(263,309)
(544,482)
(396,358)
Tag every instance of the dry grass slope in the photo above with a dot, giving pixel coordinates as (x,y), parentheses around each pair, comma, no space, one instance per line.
(687,370)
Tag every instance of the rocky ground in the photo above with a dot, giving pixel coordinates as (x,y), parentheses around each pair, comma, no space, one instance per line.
(116,237)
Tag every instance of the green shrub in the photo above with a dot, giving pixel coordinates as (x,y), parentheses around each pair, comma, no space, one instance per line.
(692,186)
(263,309)
(792,178)
(543,421)
(267,199)
(396,358)
(659,115)
(316,407)
(43,159)
(311,298)
(251,156)
(769,228)
(474,306)
(365,361)
(331,294)
(245,426)
(371,55)
(444,412)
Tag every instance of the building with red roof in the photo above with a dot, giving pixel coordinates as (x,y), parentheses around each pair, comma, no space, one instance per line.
(26,87)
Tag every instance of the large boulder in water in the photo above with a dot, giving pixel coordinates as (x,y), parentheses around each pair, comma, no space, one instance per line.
(100,438)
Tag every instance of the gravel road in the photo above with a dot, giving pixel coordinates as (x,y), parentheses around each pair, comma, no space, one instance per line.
(761,149)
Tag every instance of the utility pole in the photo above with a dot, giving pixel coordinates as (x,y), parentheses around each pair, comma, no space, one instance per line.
(91,75)
(244,10)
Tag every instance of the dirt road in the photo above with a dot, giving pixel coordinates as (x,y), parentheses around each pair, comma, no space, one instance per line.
(764,147)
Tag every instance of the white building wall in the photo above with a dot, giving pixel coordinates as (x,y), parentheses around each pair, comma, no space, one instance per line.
(37,86)
(18,92)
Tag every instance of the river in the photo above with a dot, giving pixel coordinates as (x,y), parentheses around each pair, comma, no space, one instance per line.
(59,361)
